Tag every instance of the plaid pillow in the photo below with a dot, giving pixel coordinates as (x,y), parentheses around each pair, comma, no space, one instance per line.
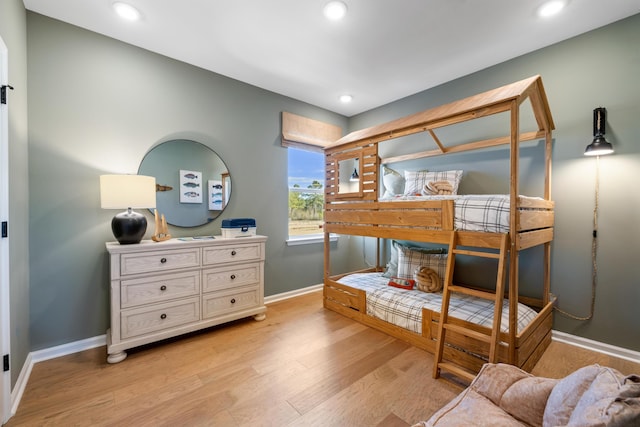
(409,259)
(392,266)
(415,181)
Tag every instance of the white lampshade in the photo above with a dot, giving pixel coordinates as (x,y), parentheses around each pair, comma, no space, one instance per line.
(127,191)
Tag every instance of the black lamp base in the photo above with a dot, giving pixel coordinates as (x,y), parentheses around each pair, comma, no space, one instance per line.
(129,227)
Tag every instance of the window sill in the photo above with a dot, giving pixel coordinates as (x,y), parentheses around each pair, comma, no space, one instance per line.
(304,240)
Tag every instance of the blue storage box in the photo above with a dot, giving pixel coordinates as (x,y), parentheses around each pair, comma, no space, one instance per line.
(238,227)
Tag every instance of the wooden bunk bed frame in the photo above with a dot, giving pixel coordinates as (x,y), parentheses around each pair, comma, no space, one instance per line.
(360,213)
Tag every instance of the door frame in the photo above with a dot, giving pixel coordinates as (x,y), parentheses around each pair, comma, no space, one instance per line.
(5,331)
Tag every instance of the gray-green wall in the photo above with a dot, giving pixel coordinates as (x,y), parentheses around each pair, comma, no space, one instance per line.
(97,105)
(13,30)
(600,68)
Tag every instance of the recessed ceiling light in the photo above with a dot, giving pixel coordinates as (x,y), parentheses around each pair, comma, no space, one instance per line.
(335,10)
(126,11)
(551,8)
(346,98)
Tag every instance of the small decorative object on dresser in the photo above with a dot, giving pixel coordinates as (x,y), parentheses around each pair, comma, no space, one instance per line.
(162,231)
(238,227)
(161,290)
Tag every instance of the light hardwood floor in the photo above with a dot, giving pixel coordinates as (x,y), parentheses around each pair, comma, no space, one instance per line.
(302,366)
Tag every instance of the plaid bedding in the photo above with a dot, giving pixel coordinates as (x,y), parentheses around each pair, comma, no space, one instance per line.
(477,212)
(403,308)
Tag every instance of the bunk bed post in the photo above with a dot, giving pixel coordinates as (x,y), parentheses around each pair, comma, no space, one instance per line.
(513,229)
(327,240)
(327,257)
(546,287)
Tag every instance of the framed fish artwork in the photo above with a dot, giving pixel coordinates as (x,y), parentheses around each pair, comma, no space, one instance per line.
(190,186)
(216,201)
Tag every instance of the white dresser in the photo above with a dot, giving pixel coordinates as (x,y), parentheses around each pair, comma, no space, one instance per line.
(163,289)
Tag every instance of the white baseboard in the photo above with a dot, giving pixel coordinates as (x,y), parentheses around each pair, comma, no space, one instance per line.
(46,354)
(69,348)
(21,384)
(598,347)
(295,293)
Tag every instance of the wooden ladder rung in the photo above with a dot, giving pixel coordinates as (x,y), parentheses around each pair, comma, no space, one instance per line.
(476,253)
(467,332)
(454,369)
(491,296)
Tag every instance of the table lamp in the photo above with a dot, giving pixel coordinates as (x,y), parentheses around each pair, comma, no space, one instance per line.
(128,192)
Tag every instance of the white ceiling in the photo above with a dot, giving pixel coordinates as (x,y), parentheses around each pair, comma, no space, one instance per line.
(381,51)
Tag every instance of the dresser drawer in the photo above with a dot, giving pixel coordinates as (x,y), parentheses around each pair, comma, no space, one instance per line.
(232,276)
(144,320)
(154,289)
(159,261)
(232,253)
(221,303)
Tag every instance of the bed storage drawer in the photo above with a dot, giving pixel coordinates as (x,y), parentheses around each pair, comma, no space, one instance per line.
(346,296)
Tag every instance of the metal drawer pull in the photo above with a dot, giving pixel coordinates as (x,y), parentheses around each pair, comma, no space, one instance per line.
(233,277)
(233,253)
(163,288)
(233,300)
(163,260)
(163,316)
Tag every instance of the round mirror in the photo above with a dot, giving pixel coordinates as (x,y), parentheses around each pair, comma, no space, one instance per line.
(193,185)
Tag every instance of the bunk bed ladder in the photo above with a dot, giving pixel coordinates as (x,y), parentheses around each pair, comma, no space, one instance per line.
(497,296)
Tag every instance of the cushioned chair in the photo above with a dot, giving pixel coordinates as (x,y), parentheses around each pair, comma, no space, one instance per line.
(504,395)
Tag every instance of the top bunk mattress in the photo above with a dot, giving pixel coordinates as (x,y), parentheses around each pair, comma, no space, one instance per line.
(403,308)
(488,213)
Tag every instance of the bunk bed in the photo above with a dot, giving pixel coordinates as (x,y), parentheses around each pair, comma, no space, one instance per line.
(516,329)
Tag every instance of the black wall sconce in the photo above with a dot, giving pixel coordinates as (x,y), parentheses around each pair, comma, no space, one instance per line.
(599,146)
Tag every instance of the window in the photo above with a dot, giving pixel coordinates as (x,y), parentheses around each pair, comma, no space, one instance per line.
(305,140)
(306,193)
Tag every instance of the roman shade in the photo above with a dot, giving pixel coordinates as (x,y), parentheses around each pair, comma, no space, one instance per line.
(308,134)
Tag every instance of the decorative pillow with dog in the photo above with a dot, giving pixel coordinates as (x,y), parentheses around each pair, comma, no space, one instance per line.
(406,284)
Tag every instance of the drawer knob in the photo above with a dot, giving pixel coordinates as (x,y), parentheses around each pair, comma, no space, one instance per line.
(163,316)
(233,300)
(163,288)
(233,253)
(233,277)
(163,260)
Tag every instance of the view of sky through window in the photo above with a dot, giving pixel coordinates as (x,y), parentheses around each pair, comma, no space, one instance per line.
(305,167)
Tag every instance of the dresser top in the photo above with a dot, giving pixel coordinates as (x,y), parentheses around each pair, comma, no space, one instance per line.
(182,242)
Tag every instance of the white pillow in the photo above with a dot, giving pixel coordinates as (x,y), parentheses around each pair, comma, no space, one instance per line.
(393,182)
(415,181)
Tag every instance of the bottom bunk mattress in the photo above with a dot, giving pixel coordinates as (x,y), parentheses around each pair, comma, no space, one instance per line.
(403,308)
